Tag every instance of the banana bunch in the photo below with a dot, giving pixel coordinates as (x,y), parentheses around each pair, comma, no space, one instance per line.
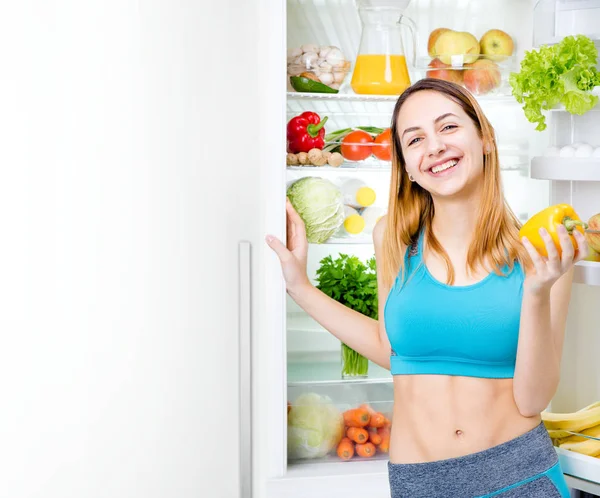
(586,422)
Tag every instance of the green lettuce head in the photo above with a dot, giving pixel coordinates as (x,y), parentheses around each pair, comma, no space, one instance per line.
(319,204)
(315,427)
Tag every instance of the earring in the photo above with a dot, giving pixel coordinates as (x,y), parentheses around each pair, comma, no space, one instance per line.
(410,177)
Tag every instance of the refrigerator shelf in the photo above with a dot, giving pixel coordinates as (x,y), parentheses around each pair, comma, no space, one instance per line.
(354,97)
(359,239)
(325,369)
(580,466)
(587,272)
(566,169)
(344,168)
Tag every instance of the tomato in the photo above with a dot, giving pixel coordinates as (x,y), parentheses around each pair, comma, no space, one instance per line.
(383,148)
(356,146)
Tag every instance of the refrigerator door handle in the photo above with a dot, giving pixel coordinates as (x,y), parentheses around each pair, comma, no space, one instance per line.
(245,367)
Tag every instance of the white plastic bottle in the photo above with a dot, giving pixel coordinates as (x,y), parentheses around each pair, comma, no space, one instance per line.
(357,194)
(371,215)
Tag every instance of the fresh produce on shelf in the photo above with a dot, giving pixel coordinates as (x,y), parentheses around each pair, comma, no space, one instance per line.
(574,422)
(356,193)
(360,142)
(496,44)
(305,132)
(444,43)
(482,77)
(382,145)
(315,427)
(549,218)
(433,36)
(593,239)
(319,204)
(445,72)
(452,43)
(564,73)
(308,82)
(569,430)
(593,256)
(314,157)
(349,281)
(356,146)
(459,58)
(367,432)
(314,68)
(357,434)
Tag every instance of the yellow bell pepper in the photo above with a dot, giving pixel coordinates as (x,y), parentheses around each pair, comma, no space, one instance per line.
(550,218)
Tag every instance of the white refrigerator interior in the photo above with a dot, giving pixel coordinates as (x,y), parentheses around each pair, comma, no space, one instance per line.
(307,358)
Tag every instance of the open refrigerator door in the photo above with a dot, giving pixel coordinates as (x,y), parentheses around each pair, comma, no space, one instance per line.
(328,54)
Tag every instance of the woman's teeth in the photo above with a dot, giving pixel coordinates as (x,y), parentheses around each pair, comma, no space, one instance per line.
(443,167)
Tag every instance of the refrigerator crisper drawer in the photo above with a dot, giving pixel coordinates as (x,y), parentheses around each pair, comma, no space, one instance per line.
(320,415)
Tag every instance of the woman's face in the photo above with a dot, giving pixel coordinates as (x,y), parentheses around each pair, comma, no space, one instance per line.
(441,146)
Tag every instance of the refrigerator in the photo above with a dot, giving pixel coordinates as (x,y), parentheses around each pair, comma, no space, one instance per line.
(295,355)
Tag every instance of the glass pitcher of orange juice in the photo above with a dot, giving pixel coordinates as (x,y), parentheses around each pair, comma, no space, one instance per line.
(380,67)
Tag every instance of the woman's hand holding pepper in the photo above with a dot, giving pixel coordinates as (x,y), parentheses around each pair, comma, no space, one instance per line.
(549,270)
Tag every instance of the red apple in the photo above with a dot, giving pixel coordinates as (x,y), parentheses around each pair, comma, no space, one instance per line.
(451,74)
(482,76)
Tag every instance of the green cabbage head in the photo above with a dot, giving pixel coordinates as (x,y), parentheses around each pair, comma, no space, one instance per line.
(319,204)
(315,427)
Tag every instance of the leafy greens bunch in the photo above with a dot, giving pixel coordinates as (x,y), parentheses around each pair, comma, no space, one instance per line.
(564,73)
(349,281)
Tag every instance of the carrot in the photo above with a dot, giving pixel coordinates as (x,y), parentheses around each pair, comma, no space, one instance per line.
(369,408)
(365,450)
(384,446)
(357,435)
(374,436)
(357,417)
(345,449)
(377,420)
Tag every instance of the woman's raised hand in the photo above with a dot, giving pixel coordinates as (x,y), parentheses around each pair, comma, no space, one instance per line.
(549,270)
(292,257)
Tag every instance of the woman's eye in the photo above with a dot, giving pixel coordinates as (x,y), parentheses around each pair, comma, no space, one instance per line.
(414,140)
(448,127)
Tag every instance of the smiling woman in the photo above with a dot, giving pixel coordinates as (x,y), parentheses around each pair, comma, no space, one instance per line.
(471,319)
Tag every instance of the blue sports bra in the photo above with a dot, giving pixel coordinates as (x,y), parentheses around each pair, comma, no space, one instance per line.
(470,330)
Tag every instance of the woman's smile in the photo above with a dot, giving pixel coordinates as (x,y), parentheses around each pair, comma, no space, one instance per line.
(444,168)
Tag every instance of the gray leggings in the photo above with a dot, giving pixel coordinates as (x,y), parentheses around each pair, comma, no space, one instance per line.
(524,467)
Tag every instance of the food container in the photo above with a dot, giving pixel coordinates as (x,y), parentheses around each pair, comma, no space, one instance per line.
(318,417)
(481,62)
(316,69)
(480,74)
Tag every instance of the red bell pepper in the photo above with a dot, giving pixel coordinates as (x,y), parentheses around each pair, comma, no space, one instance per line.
(305,132)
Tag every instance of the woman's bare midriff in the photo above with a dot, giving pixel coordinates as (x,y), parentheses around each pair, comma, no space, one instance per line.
(437,417)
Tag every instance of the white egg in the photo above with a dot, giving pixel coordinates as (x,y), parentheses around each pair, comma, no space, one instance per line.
(551,152)
(567,151)
(596,152)
(584,150)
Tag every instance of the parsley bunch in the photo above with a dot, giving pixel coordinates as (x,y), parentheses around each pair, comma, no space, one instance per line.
(354,284)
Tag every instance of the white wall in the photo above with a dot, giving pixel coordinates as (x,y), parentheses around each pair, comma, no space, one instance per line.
(127,179)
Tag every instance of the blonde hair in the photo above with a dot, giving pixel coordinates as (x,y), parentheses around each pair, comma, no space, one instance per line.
(411,208)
